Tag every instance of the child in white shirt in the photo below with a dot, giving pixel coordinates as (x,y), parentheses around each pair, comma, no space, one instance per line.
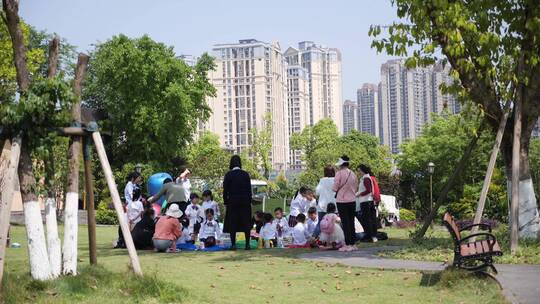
(280,223)
(185,237)
(210,232)
(209,203)
(195,214)
(301,236)
(135,209)
(301,203)
(268,231)
(312,220)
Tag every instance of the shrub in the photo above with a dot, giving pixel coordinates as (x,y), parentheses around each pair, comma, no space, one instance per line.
(466,222)
(406,224)
(105,215)
(406,215)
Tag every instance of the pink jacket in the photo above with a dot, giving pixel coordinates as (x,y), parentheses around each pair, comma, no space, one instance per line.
(345,184)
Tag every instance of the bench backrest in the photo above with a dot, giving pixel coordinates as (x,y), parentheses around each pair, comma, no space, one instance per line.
(450,224)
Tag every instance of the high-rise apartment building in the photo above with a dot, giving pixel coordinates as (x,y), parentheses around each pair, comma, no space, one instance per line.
(350,116)
(323,66)
(251,80)
(298,103)
(407,97)
(367,98)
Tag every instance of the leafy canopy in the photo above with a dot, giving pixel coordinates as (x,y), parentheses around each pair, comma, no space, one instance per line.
(321,145)
(153,99)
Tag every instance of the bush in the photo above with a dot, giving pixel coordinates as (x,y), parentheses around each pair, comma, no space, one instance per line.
(105,215)
(406,215)
(406,224)
(466,222)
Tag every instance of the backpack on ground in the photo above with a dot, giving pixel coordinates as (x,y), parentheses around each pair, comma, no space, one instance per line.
(327,225)
(376,191)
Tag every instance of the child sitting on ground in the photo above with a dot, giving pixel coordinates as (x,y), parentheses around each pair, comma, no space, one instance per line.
(312,220)
(300,234)
(209,203)
(185,237)
(331,236)
(210,232)
(268,232)
(195,214)
(258,222)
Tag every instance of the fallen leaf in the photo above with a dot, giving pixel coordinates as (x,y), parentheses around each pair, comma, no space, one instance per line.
(212,285)
(221,267)
(348,272)
(323,290)
(338,287)
(405,278)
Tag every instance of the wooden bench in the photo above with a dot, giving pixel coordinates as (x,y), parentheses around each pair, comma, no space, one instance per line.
(474,252)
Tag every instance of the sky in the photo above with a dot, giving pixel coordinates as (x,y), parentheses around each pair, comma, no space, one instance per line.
(192,27)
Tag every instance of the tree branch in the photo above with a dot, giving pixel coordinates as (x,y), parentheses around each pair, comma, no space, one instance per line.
(11,7)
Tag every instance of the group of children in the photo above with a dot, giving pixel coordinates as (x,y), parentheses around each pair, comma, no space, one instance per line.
(303,228)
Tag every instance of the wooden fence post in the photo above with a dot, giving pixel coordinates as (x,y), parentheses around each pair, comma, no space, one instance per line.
(117,203)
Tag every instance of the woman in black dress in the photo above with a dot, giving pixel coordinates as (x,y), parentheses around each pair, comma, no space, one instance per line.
(237,199)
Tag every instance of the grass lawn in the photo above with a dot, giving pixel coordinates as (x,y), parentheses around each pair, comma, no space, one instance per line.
(438,247)
(257,276)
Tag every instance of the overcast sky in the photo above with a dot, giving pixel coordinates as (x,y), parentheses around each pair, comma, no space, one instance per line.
(192,27)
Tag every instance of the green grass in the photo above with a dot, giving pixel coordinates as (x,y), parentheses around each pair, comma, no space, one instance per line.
(438,247)
(257,276)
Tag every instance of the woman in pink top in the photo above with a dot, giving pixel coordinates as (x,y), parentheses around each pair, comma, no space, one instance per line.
(168,230)
(345,186)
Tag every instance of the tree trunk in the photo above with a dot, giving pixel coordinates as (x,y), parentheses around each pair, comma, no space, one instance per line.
(53,241)
(514,201)
(450,183)
(37,249)
(72,195)
(8,167)
(490,168)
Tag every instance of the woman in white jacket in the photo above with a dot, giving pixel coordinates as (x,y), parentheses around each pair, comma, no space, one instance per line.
(326,195)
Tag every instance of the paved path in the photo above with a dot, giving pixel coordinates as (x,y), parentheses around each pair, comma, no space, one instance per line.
(520,282)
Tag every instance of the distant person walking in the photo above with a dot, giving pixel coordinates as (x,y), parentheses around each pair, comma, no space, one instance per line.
(326,195)
(345,186)
(237,199)
(368,213)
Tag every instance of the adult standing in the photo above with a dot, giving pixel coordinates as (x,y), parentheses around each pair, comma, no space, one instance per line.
(368,213)
(237,198)
(174,194)
(345,186)
(326,195)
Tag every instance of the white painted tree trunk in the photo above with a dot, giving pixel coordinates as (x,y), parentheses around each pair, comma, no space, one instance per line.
(70,233)
(37,249)
(529,220)
(53,241)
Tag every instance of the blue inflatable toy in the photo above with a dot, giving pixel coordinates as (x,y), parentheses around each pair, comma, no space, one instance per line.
(155,182)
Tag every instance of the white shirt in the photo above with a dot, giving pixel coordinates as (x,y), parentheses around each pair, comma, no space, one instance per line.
(325,193)
(283,225)
(301,205)
(311,224)
(128,192)
(268,232)
(300,234)
(210,228)
(362,188)
(211,205)
(134,210)
(195,214)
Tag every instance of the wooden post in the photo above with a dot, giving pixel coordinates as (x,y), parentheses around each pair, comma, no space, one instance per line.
(72,193)
(117,203)
(89,189)
(490,168)
(7,187)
